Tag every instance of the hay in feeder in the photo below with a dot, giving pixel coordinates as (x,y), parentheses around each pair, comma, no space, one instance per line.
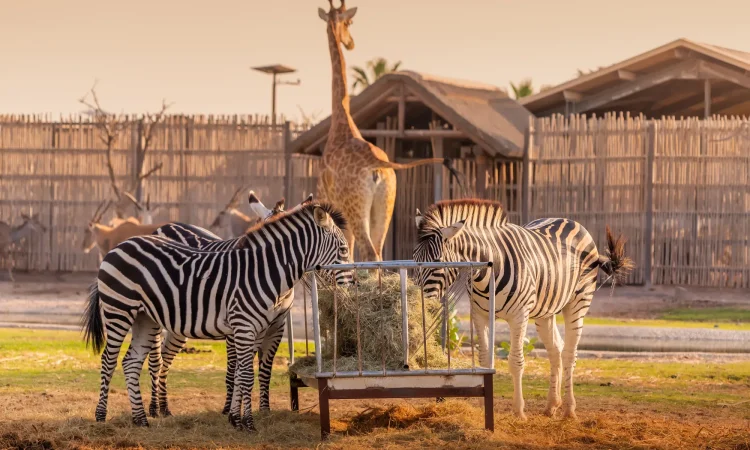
(380,323)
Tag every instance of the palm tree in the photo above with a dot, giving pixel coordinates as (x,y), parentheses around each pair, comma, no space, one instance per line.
(377,68)
(523,89)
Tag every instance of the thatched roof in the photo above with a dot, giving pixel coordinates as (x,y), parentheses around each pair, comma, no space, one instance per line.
(483,112)
(667,80)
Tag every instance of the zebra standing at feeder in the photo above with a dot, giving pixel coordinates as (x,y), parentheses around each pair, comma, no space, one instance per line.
(149,282)
(162,356)
(544,268)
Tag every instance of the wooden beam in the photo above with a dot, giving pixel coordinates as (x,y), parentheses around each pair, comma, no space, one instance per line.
(681,53)
(690,106)
(711,70)
(706,99)
(407,98)
(626,75)
(572,96)
(402,109)
(730,102)
(681,71)
(454,134)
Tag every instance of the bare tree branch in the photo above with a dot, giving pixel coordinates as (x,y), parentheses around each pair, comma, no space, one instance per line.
(153,170)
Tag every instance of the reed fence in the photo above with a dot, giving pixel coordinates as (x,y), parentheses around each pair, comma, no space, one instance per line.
(679,190)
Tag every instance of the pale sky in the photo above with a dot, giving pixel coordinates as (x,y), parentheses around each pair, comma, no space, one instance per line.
(197,54)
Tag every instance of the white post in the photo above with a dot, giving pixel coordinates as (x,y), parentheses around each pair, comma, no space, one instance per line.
(316,321)
(491,314)
(404,317)
(290,335)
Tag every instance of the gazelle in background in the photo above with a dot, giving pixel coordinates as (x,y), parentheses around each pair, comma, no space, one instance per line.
(10,235)
(145,211)
(235,221)
(107,237)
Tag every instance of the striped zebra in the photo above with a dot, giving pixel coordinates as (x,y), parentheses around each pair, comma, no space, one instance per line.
(150,282)
(163,354)
(542,269)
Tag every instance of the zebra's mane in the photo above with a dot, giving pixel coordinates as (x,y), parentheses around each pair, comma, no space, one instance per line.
(305,209)
(476,213)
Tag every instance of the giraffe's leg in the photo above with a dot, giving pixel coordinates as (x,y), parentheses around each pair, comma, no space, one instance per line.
(144,331)
(231,369)
(244,343)
(269,346)
(171,347)
(518,325)
(357,212)
(154,367)
(553,343)
(350,240)
(117,325)
(573,314)
(383,202)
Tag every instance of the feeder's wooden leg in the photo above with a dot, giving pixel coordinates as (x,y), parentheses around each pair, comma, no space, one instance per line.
(439,399)
(325,415)
(294,391)
(489,404)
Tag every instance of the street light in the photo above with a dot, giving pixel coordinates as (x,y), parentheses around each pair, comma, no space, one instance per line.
(275,70)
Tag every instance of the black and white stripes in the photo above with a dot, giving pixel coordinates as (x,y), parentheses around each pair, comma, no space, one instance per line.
(542,269)
(149,282)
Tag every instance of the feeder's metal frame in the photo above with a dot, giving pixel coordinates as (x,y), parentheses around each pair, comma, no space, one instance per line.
(458,382)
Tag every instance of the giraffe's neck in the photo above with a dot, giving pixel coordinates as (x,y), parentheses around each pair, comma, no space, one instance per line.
(342,125)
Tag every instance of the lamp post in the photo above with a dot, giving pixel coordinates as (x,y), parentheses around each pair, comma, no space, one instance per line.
(275,70)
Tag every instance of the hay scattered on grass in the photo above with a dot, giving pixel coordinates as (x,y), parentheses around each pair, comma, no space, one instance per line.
(379,308)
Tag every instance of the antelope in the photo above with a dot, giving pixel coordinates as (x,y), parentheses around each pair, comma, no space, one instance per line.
(146,213)
(107,237)
(233,219)
(10,235)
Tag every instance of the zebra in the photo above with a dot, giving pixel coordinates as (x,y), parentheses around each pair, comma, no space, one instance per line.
(163,354)
(146,282)
(544,268)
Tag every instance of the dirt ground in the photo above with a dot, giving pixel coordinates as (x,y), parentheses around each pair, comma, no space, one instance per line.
(51,298)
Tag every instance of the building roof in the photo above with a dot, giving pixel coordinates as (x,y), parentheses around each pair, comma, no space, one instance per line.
(483,112)
(659,71)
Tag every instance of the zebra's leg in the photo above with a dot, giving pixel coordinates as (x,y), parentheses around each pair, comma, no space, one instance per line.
(573,314)
(553,343)
(245,346)
(154,366)
(518,326)
(144,333)
(266,354)
(481,328)
(117,325)
(231,369)
(171,347)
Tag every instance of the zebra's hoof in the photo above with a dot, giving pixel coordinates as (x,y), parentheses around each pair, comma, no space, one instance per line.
(153,411)
(248,425)
(165,412)
(225,411)
(140,422)
(234,420)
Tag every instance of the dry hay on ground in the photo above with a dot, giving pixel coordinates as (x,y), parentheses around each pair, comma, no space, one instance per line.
(379,308)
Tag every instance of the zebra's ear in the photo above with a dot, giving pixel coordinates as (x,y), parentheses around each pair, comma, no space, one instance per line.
(322,218)
(418,217)
(453,230)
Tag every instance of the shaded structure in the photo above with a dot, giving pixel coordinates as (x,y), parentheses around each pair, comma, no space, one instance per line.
(682,78)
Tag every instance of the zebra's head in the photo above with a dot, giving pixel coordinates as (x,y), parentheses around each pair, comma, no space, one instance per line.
(332,246)
(436,244)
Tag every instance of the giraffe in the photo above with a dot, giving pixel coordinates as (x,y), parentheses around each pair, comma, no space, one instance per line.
(357,176)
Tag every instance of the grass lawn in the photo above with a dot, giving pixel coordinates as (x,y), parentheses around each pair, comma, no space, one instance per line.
(49,388)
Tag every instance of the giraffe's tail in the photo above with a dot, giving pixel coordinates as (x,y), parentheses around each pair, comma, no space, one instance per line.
(447,162)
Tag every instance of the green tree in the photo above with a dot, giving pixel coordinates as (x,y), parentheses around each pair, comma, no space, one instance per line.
(523,89)
(375,68)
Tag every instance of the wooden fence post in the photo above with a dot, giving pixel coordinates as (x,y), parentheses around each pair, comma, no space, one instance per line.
(648,187)
(526,174)
(288,167)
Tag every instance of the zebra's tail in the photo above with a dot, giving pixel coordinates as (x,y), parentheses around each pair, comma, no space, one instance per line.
(615,263)
(93,326)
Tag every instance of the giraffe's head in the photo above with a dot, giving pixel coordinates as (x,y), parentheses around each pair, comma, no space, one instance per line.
(340,19)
